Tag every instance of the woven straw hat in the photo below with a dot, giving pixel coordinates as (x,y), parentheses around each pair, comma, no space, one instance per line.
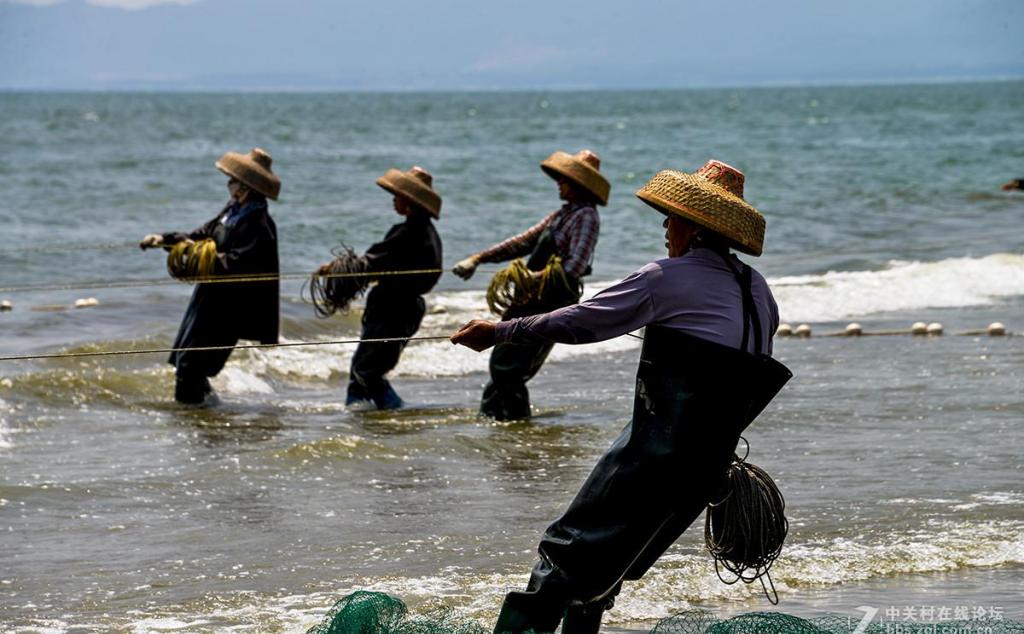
(415,185)
(582,169)
(253,169)
(711,197)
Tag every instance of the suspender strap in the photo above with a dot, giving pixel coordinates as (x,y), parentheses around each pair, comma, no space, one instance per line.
(745,280)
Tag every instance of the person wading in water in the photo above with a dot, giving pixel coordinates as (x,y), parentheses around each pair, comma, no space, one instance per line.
(395,306)
(571,234)
(220,314)
(705,372)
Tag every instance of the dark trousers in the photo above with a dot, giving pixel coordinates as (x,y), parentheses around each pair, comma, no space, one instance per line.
(384,317)
(202,326)
(506,396)
(651,484)
(193,369)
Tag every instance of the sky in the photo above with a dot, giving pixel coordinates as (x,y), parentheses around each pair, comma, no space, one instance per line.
(489,45)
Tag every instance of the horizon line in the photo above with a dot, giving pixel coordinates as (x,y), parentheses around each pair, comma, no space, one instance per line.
(170,87)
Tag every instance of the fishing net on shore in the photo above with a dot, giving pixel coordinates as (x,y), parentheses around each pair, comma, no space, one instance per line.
(700,622)
(365,612)
(516,285)
(344,280)
(188,260)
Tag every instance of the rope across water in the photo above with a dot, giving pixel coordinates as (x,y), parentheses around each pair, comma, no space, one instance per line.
(215,279)
(247,346)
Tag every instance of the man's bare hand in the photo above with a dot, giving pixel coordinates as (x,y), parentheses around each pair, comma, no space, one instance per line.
(478,334)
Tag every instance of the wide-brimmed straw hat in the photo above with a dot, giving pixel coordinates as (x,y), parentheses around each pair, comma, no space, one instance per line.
(582,168)
(415,185)
(253,170)
(711,197)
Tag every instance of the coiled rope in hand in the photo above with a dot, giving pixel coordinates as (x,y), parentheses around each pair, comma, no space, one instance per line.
(516,285)
(745,531)
(190,261)
(343,281)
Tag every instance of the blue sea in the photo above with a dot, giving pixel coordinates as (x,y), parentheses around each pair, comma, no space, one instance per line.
(900,457)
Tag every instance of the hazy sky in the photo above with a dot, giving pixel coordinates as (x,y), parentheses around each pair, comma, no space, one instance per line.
(459,44)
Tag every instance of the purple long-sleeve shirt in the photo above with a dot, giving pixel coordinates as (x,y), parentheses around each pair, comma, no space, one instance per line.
(695,293)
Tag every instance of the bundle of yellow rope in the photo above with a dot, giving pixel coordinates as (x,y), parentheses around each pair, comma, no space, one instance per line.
(516,285)
(188,261)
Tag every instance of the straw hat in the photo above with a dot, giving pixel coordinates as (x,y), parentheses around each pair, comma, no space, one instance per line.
(711,197)
(415,185)
(582,169)
(253,170)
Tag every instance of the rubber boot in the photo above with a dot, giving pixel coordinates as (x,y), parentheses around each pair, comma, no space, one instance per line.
(194,390)
(583,619)
(522,612)
(358,398)
(385,397)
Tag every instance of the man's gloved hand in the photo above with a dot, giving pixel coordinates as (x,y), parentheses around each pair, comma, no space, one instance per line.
(465,268)
(152,241)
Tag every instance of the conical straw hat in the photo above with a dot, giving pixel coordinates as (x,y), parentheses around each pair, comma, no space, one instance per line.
(415,185)
(711,197)
(582,169)
(253,170)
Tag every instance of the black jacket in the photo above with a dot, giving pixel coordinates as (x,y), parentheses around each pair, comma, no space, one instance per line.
(220,312)
(410,245)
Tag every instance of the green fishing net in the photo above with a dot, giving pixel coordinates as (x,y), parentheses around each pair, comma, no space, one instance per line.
(378,613)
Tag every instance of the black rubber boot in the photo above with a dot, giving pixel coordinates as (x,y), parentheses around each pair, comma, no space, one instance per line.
(191,389)
(586,619)
(524,612)
(583,619)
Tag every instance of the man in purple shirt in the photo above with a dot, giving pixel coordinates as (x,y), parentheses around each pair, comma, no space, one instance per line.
(705,373)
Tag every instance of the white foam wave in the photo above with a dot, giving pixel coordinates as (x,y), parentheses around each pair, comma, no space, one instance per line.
(234,380)
(439,358)
(5,442)
(951,283)
(811,298)
(679,581)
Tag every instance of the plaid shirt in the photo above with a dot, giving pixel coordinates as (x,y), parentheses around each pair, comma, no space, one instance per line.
(574,227)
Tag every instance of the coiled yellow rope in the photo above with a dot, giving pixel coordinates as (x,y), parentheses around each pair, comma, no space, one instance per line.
(345,280)
(190,261)
(516,285)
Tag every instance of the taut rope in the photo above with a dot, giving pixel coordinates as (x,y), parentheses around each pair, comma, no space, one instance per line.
(247,346)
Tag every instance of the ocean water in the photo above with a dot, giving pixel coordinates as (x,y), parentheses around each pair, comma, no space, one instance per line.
(119,511)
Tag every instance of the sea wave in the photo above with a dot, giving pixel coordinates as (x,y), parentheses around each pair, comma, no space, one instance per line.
(900,286)
(681,580)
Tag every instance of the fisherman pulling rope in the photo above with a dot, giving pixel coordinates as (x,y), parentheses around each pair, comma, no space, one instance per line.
(705,373)
(570,233)
(395,306)
(240,240)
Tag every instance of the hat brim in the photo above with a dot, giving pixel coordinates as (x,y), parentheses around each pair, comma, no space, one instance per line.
(412,189)
(565,165)
(707,205)
(250,173)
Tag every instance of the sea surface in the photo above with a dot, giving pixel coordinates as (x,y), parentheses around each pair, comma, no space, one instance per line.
(900,457)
